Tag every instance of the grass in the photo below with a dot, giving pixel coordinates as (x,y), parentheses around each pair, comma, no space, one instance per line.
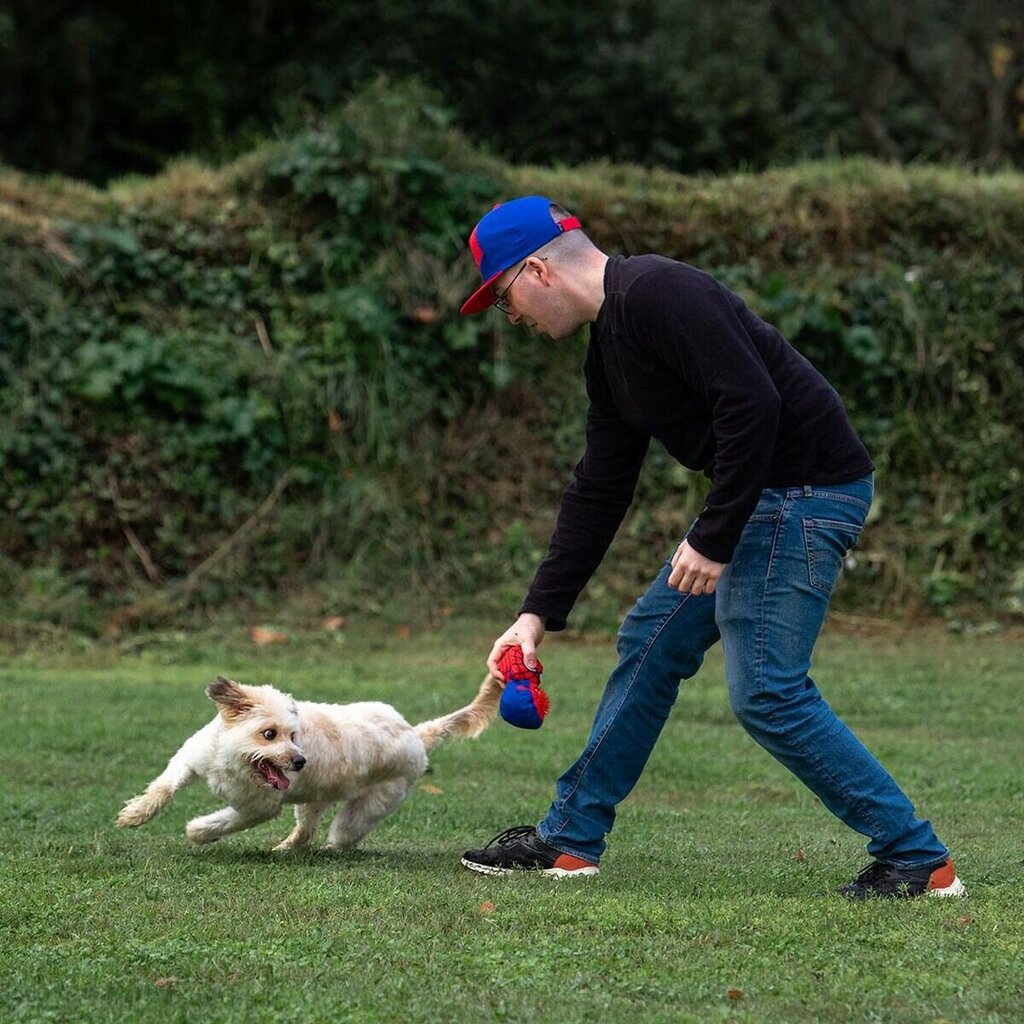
(706,908)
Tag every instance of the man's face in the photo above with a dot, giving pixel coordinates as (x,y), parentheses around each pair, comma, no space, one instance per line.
(530,293)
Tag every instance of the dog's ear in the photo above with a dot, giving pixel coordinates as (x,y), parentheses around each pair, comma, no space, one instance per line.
(231,700)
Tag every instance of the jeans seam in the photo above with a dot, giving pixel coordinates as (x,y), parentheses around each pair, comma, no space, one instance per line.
(759,644)
(625,693)
(823,769)
(808,752)
(832,496)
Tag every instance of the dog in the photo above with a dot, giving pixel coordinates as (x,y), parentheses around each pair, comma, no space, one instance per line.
(264,749)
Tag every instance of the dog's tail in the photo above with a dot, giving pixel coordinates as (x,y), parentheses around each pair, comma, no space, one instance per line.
(468,722)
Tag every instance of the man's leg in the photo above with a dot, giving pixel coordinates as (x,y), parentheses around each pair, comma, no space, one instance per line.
(662,640)
(771,602)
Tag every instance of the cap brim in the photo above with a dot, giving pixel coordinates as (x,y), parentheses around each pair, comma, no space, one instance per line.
(481,298)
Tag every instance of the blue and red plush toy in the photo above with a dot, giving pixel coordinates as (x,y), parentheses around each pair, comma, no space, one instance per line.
(523,703)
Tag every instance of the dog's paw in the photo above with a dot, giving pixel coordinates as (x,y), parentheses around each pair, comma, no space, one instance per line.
(136,812)
(296,838)
(200,833)
(340,844)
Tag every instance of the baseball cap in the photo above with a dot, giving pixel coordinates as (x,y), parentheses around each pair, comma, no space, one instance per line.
(506,235)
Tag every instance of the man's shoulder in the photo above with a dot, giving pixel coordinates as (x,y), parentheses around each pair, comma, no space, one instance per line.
(641,277)
(654,290)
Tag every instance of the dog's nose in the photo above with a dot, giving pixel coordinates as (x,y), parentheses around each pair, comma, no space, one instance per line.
(298,762)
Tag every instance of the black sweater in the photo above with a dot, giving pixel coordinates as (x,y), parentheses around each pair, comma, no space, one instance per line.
(676,356)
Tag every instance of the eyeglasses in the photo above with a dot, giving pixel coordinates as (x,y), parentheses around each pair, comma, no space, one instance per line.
(500,302)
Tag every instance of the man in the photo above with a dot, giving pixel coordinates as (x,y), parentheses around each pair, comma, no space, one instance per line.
(676,356)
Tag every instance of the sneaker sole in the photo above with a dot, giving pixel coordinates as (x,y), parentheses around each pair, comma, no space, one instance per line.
(488,869)
(956,888)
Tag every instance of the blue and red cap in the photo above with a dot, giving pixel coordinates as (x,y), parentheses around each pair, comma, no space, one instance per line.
(506,235)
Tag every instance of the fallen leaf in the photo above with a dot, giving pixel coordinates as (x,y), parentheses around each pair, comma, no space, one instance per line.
(487,907)
(432,790)
(963,921)
(170,982)
(424,314)
(262,636)
(334,421)
(800,856)
(404,632)
(334,623)
(735,993)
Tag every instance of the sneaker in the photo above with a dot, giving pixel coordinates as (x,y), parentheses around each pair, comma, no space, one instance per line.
(521,849)
(891,882)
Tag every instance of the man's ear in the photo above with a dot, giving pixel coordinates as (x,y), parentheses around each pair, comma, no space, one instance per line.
(231,700)
(539,266)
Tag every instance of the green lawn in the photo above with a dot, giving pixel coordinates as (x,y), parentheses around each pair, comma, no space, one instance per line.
(708,905)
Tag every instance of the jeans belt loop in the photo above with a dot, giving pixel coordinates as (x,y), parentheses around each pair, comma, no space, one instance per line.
(808,491)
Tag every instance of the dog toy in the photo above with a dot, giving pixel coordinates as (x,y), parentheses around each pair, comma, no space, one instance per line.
(523,703)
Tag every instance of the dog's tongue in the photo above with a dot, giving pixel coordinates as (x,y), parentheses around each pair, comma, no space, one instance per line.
(277,778)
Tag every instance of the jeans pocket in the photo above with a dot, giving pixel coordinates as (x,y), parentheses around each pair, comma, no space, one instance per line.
(827,542)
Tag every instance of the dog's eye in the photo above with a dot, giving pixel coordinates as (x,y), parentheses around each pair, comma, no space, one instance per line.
(269,734)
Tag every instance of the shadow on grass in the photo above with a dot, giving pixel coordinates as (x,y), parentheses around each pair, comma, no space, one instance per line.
(319,857)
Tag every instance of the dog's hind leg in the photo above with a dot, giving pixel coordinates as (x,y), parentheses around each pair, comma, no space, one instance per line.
(210,827)
(307,817)
(362,812)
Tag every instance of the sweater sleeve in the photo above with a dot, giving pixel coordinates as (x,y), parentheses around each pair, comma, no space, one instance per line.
(689,322)
(592,507)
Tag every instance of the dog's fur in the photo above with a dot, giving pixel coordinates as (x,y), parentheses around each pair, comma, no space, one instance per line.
(264,749)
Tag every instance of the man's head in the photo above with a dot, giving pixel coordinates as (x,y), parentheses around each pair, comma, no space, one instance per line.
(537,265)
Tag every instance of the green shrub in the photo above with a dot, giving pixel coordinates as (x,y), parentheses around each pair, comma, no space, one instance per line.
(264,364)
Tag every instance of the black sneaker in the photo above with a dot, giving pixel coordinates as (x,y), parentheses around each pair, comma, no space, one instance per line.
(521,849)
(891,882)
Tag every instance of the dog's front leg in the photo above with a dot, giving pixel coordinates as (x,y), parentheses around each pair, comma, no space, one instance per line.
(307,817)
(140,809)
(210,827)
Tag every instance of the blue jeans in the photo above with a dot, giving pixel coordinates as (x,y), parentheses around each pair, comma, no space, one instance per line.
(768,609)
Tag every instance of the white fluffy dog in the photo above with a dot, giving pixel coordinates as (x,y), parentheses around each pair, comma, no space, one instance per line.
(264,749)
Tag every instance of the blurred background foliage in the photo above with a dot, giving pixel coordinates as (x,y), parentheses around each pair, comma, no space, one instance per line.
(97,89)
(243,381)
(252,382)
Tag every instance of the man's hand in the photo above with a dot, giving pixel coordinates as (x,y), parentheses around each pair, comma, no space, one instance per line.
(692,573)
(526,632)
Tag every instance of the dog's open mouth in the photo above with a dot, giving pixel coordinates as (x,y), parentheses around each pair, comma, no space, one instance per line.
(271,775)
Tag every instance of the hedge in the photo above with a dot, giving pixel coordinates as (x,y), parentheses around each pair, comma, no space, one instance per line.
(251,382)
